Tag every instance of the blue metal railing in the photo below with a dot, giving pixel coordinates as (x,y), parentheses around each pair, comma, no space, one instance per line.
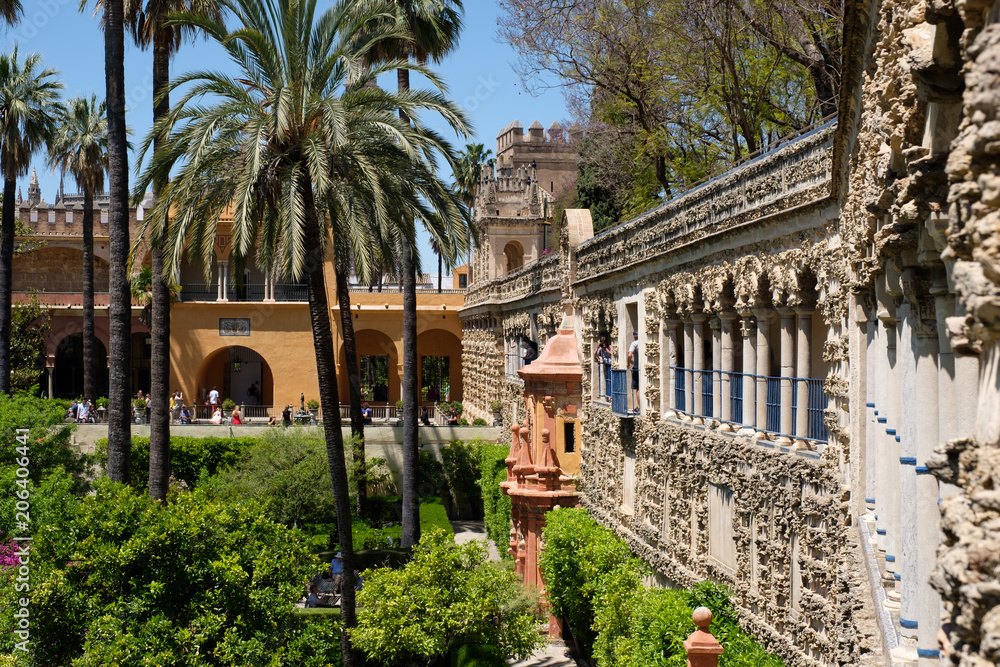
(621,389)
(604,380)
(680,393)
(515,362)
(816,426)
(706,395)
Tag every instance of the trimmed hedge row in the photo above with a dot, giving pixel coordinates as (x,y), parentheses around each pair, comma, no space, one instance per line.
(191,459)
(594,584)
(496,504)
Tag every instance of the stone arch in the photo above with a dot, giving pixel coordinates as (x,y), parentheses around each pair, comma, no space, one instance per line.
(67,362)
(513,254)
(441,343)
(371,343)
(234,369)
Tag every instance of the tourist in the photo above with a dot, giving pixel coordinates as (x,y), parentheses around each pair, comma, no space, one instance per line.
(433,393)
(603,357)
(452,417)
(366,413)
(253,392)
(531,353)
(272,421)
(83,412)
(178,401)
(185,414)
(237,417)
(213,398)
(173,406)
(337,571)
(447,391)
(146,410)
(425,417)
(217,416)
(286,415)
(73,410)
(313,599)
(632,362)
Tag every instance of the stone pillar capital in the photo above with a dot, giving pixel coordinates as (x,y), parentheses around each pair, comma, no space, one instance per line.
(763,314)
(698,317)
(727,316)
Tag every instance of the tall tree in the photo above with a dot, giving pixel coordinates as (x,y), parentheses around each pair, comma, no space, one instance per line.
(29,107)
(112,17)
(80,147)
(289,143)
(432,29)
(147,21)
(467,175)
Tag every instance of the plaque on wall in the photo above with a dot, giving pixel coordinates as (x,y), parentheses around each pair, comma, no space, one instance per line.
(234,326)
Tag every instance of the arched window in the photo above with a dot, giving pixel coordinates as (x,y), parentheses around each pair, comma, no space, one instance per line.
(514,256)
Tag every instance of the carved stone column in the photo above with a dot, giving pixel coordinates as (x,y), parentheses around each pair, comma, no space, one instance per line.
(698,405)
(803,369)
(728,321)
(749,331)
(716,326)
(688,365)
(764,316)
(787,369)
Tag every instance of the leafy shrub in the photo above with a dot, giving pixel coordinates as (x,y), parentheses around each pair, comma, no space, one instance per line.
(478,655)
(49,445)
(463,421)
(312,404)
(496,504)
(228,405)
(496,406)
(479,421)
(462,471)
(433,481)
(594,583)
(125,580)
(457,407)
(447,596)
(191,459)
(370,537)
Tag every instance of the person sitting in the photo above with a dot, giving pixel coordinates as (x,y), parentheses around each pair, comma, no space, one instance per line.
(185,415)
(272,421)
(237,417)
(73,409)
(366,413)
(83,411)
(286,416)
(313,599)
(217,416)
(452,417)
(425,417)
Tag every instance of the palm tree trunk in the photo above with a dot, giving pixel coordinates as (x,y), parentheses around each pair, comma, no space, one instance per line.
(354,382)
(120,310)
(6,280)
(411,445)
(326,371)
(159,362)
(89,337)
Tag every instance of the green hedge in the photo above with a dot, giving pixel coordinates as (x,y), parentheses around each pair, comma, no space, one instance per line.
(190,458)
(496,504)
(434,515)
(595,584)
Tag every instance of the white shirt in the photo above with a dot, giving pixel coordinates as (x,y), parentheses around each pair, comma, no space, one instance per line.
(213,397)
(633,353)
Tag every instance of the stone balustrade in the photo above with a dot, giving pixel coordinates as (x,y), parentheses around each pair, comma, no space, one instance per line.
(544,275)
(788,177)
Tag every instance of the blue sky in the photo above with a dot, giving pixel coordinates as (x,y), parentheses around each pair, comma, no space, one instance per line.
(478,74)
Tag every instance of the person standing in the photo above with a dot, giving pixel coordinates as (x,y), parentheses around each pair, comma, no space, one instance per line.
(603,358)
(213,400)
(632,362)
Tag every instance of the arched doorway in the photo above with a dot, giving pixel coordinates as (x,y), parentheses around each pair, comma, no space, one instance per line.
(378,366)
(439,357)
(241,374)
(67,380)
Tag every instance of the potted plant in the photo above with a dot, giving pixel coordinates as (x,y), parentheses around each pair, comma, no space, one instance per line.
(102,408)
(497,408)
(227,407)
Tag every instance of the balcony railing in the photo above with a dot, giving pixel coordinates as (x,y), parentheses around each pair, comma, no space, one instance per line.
(250,293)
(815,427)
(515,362)
(623,401)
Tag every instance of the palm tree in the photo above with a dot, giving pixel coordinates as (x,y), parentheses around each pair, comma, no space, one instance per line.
(432,28)
(120,303)
(29,107)
(292,147)
(80,147)
(147,21)
(10,11)
(467,177)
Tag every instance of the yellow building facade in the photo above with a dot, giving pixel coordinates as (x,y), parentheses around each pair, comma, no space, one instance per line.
(232,332)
